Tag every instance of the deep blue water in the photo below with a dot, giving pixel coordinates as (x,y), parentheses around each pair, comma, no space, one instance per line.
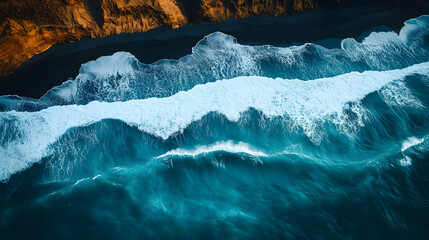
(231,141)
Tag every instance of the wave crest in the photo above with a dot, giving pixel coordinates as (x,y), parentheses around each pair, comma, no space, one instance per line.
(25,137)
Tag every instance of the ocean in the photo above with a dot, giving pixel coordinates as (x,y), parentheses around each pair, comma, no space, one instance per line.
(229,141)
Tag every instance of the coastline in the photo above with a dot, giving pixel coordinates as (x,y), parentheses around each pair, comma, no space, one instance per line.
(325,26)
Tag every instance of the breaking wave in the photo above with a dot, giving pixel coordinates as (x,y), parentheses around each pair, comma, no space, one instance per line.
(26,136)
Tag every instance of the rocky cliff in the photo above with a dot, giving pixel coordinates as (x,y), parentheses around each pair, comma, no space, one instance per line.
(29,27)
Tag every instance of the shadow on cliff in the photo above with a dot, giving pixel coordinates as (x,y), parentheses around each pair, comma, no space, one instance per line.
(96,12)
(190,8)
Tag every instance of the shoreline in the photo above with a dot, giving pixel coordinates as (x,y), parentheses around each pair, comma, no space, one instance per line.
(325,26)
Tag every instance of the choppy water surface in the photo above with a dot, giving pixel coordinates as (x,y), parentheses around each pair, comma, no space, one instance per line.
(232,141)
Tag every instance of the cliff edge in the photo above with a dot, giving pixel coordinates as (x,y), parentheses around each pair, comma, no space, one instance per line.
(29,27)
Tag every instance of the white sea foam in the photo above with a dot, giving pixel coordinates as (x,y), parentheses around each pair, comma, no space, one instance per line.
(383,38)
(412,26)
(66,91)
(118,63)
(398,94)
(224,146)
(406,161)
(26,136)
(411,142)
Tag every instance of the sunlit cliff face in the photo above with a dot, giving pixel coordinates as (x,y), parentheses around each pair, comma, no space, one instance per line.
(30,27)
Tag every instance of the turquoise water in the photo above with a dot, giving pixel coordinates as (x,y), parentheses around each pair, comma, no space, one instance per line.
(232,141)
